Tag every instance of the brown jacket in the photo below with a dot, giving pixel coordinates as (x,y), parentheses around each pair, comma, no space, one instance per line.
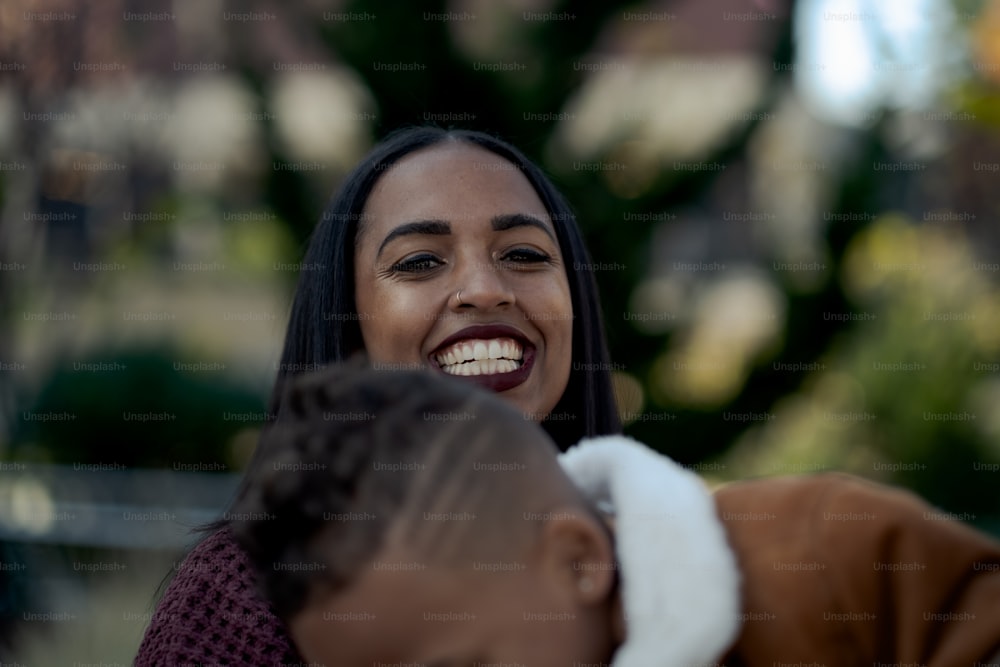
(840,571)
(822,570)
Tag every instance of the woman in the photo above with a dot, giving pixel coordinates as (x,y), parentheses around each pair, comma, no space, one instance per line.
(443,249)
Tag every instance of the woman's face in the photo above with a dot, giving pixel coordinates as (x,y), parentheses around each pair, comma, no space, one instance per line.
(455,218)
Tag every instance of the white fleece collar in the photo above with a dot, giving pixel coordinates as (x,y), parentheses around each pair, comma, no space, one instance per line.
(679,577)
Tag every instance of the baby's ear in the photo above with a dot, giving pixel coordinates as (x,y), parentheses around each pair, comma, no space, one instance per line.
(578,555)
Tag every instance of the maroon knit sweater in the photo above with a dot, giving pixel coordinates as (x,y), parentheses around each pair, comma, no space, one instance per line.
(212,614)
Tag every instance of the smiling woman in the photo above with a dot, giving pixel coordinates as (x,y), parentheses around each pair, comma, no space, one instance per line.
(428,216)
(458,267)
(443,250)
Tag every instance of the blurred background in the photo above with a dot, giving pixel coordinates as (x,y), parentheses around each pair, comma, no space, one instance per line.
(792,206)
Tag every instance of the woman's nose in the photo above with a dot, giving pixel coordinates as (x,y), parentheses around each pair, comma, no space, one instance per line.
(482,285)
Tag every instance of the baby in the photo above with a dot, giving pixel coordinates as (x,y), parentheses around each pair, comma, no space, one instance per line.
(408,519)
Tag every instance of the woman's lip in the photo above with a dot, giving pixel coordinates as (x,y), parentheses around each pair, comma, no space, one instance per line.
(496,382)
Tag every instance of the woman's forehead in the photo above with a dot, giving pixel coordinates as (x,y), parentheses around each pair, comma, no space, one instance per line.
(449,181)
(450,155)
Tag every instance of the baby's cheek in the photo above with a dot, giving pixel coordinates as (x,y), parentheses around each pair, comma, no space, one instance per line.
(314,640)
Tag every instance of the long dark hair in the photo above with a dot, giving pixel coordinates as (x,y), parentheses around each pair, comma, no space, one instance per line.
(323,329)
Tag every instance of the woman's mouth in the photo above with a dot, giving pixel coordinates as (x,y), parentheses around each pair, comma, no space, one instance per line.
(495,356)
(481,357)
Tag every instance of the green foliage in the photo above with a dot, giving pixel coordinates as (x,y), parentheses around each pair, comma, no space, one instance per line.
(145,409)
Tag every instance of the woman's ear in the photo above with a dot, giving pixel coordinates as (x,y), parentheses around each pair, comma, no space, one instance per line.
(577,554)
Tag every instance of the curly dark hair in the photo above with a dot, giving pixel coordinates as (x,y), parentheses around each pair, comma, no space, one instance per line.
(360,458)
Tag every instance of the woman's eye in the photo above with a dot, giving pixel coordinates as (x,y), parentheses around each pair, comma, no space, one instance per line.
(417,264)
(525,256)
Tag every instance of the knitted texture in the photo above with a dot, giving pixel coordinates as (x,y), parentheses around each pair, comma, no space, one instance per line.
(213,614)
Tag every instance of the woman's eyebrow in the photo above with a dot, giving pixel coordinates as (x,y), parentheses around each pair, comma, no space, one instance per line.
(435,227)
(499,223)
(507,221)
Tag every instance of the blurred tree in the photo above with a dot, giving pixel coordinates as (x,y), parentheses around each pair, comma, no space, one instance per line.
(640,85)
(137,408)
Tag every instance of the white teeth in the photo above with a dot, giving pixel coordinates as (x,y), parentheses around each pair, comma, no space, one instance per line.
(481,357)
(482,367)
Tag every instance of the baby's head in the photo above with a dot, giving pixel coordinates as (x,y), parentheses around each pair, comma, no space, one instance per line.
(405,517)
